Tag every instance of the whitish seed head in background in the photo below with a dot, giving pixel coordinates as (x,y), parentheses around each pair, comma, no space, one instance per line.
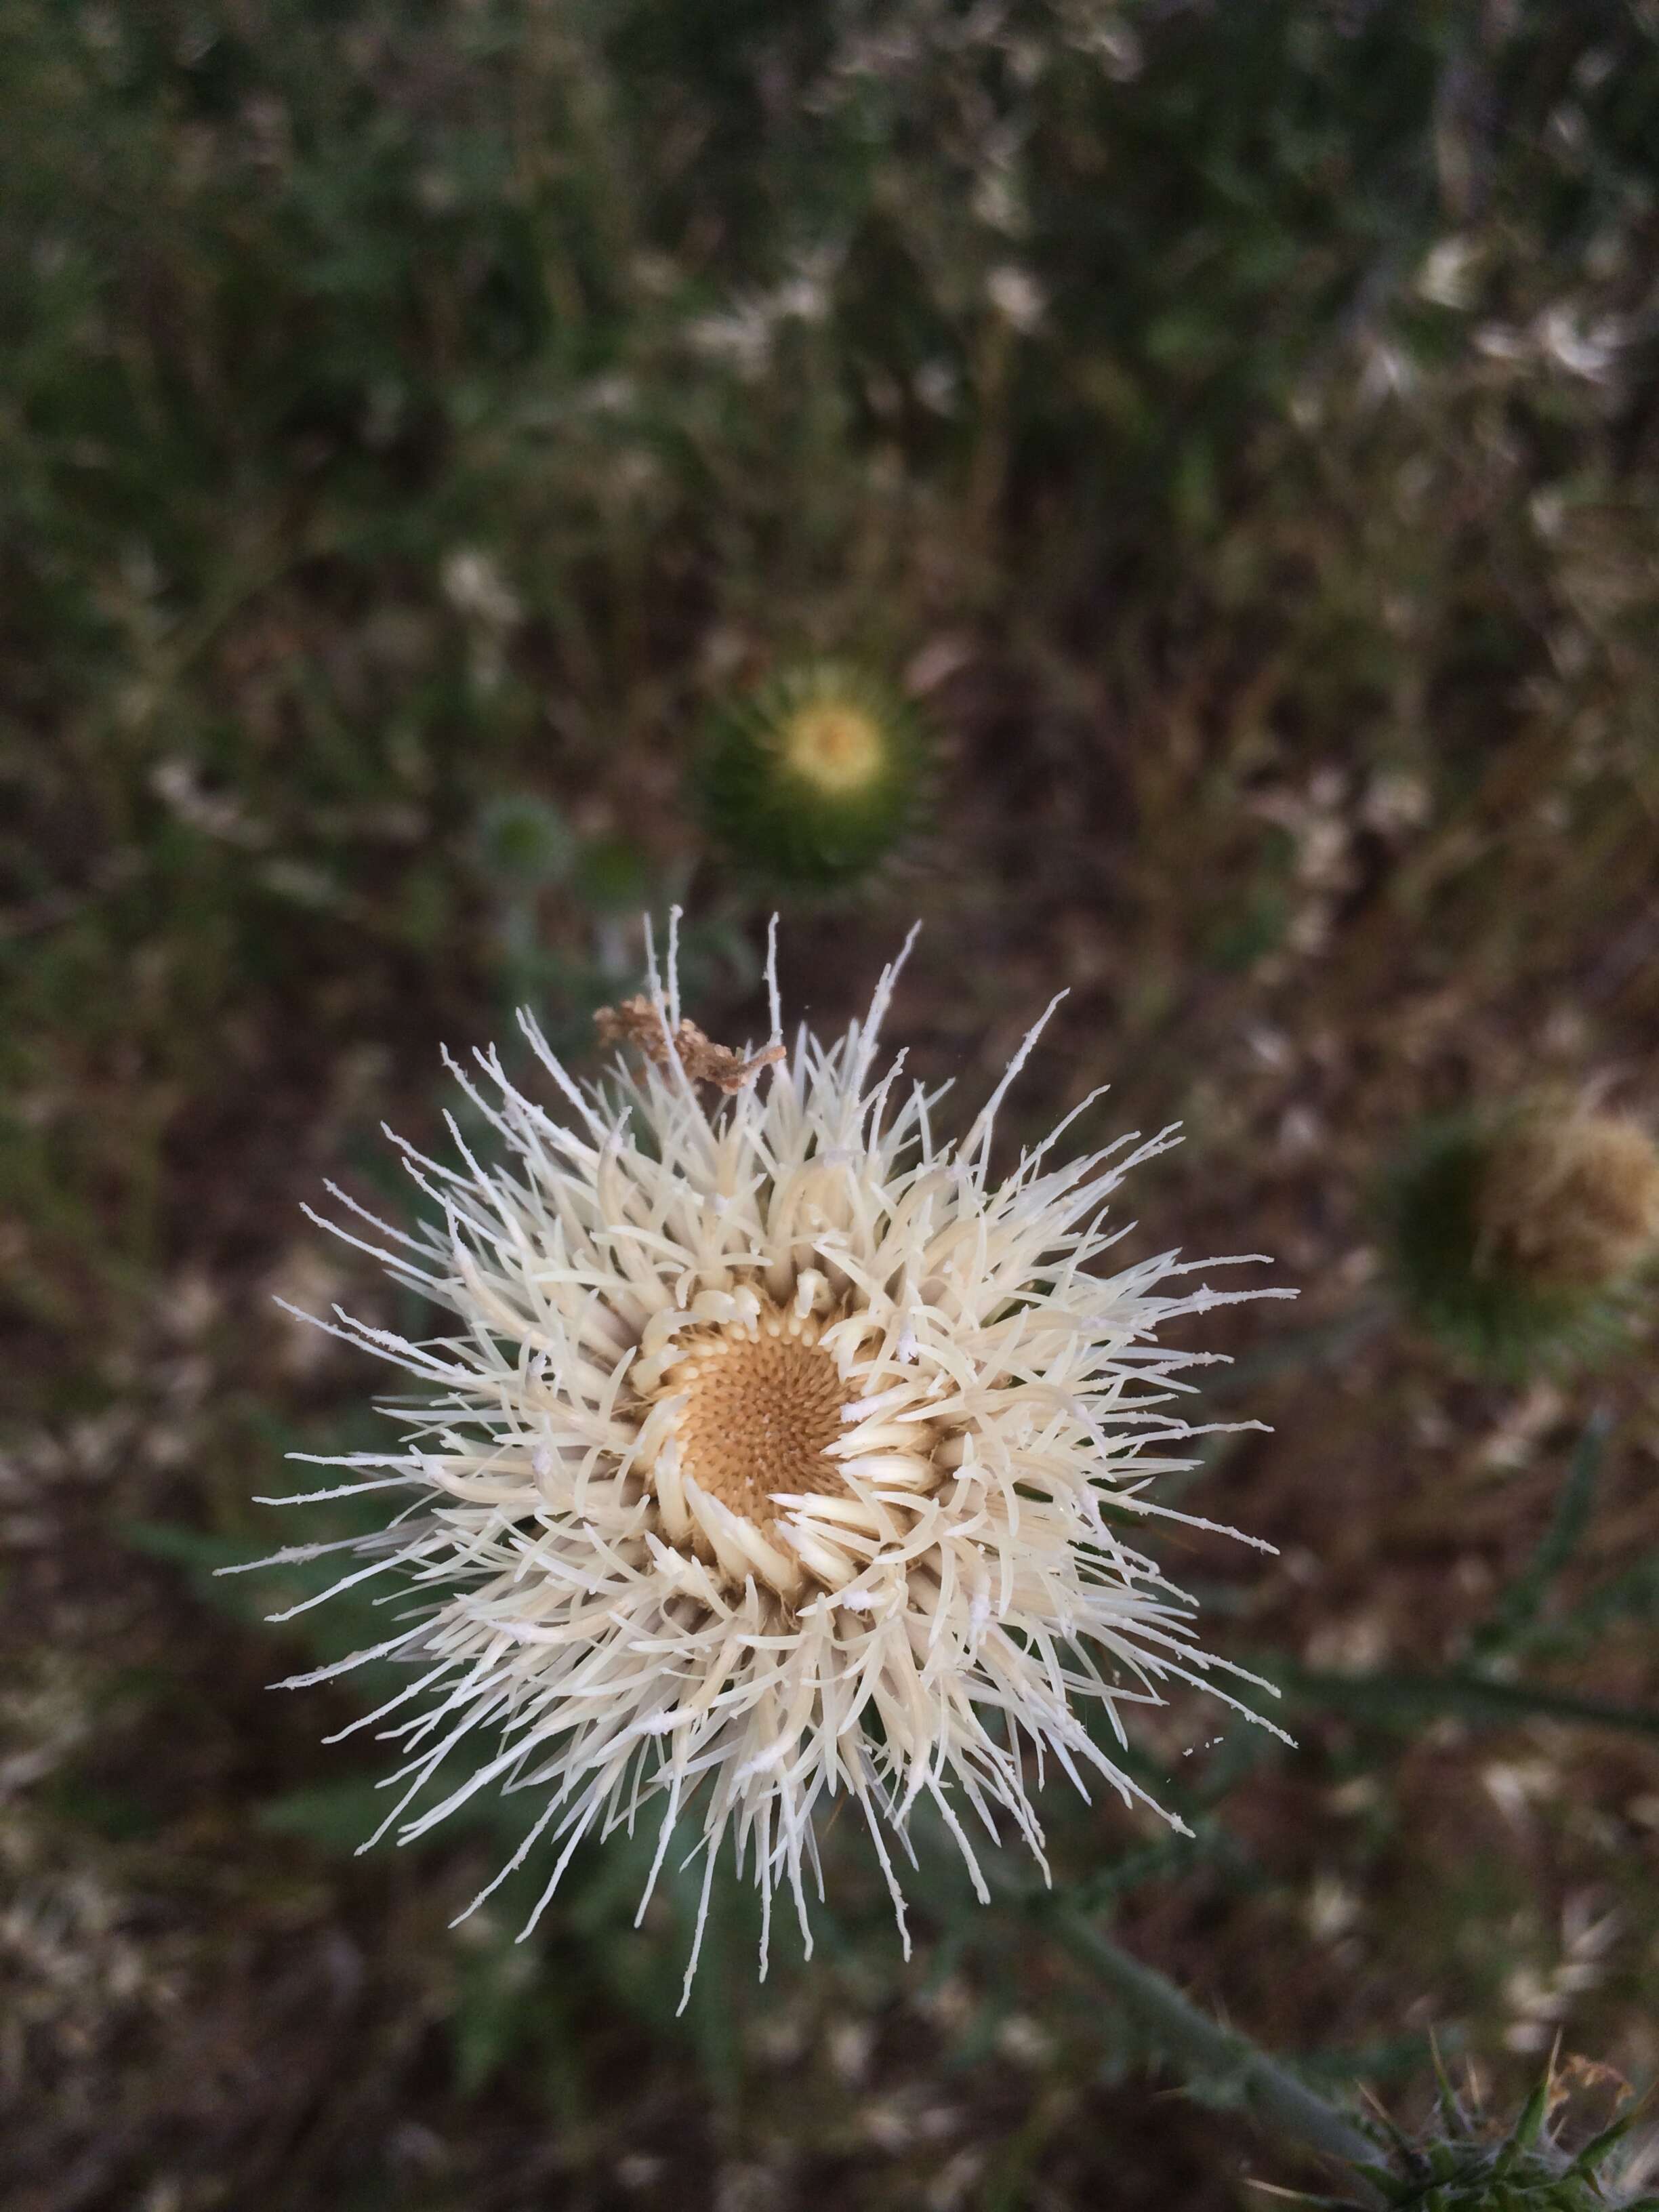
(1521,1232)
(1569,1199)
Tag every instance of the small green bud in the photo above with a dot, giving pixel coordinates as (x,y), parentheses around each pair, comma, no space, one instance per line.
(1518,1234)
(1470,2164)
(816,777)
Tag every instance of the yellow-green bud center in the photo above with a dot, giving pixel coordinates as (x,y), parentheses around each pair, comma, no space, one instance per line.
(835,747)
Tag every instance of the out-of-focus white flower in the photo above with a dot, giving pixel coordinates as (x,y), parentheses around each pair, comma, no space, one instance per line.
(1104,34)
(1016,296)
(1386,373)
(781,1455)
(1586,351)
(1503,342)
(474,585)
(1448,275)
(742,338)
(177,782)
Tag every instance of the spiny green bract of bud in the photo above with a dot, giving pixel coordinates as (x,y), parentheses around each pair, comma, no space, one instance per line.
(1472,2165)
(815,778)
(1518,1234)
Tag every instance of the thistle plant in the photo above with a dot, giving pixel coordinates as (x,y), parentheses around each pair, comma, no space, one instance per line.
(1518,1235)
(781,1454)
(814,779)
(1469,2163)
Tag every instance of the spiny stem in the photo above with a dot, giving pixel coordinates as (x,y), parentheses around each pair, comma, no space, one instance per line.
(1274,2095)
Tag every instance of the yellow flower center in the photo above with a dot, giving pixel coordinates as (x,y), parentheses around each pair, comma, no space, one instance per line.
(761,1404)
(836,747)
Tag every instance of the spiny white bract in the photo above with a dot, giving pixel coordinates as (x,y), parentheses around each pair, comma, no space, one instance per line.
(781,1453)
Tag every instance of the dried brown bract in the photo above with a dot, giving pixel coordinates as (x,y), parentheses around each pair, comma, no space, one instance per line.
(638,1023)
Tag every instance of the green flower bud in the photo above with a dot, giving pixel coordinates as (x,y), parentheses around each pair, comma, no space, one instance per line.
(815,778)
(1518,1235)
(1470,2164)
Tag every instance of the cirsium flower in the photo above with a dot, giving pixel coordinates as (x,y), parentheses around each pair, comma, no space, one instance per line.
(781,1454)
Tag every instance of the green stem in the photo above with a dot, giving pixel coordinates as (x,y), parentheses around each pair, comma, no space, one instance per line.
(1407,1700)
(1267,2089)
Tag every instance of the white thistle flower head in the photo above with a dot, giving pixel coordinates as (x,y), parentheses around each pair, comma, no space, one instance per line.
(781,1454)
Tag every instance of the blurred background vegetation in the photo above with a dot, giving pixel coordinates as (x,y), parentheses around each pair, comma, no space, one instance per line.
(1235,430)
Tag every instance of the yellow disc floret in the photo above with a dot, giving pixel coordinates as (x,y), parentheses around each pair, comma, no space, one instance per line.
(836,747)
(761,1403)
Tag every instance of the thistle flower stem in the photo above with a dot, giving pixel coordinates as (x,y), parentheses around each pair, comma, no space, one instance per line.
(1191,2038)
